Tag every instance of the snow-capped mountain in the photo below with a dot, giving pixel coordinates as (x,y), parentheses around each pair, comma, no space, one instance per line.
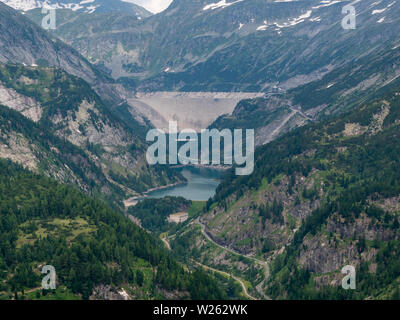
(247,45)
(88,6)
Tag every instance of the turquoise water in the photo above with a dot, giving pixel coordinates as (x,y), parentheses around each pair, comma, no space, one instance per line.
(201,185)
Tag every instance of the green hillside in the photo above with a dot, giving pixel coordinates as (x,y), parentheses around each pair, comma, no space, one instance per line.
(90,246)
(321,197)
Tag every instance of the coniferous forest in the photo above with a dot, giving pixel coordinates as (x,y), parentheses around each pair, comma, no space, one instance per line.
(92,92)
(45,223)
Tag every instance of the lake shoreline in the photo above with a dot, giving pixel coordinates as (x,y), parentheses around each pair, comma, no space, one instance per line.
(135,199)
(200,184)
(204,166)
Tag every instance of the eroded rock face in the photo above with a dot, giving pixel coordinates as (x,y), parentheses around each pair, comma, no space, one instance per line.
(26,105)
(338,246)
(242,221)
(22,41)
(106,292)
(107,137)
(270,116)
(376,125)
(17,148)
(87,124)
(390,204)
(321,256)
(31,155)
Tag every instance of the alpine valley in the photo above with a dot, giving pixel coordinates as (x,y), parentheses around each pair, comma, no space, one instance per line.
(76,104)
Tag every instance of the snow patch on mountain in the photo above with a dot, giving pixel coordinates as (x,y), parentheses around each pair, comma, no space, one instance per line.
(88,6)
(23,5)
(327,3)
(378,11)
(221,4)
(263,27)
(26,5)
(295,21)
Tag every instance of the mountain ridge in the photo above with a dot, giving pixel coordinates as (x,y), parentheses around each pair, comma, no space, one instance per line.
(247,46)
(90,6)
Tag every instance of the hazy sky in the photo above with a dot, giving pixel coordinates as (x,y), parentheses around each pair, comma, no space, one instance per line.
(152,5)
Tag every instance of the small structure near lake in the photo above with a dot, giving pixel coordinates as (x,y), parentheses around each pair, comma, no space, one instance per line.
(178,217)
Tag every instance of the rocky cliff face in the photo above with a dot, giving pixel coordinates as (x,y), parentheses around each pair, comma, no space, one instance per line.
(66,107)
(36,148)
(28,106)
(320,198)
(21,41)
(270,117)
(245,217)
(56,87)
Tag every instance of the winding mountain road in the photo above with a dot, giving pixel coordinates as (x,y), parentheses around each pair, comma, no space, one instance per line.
(244,288)
(241,282)
(164,239)
(264,264)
